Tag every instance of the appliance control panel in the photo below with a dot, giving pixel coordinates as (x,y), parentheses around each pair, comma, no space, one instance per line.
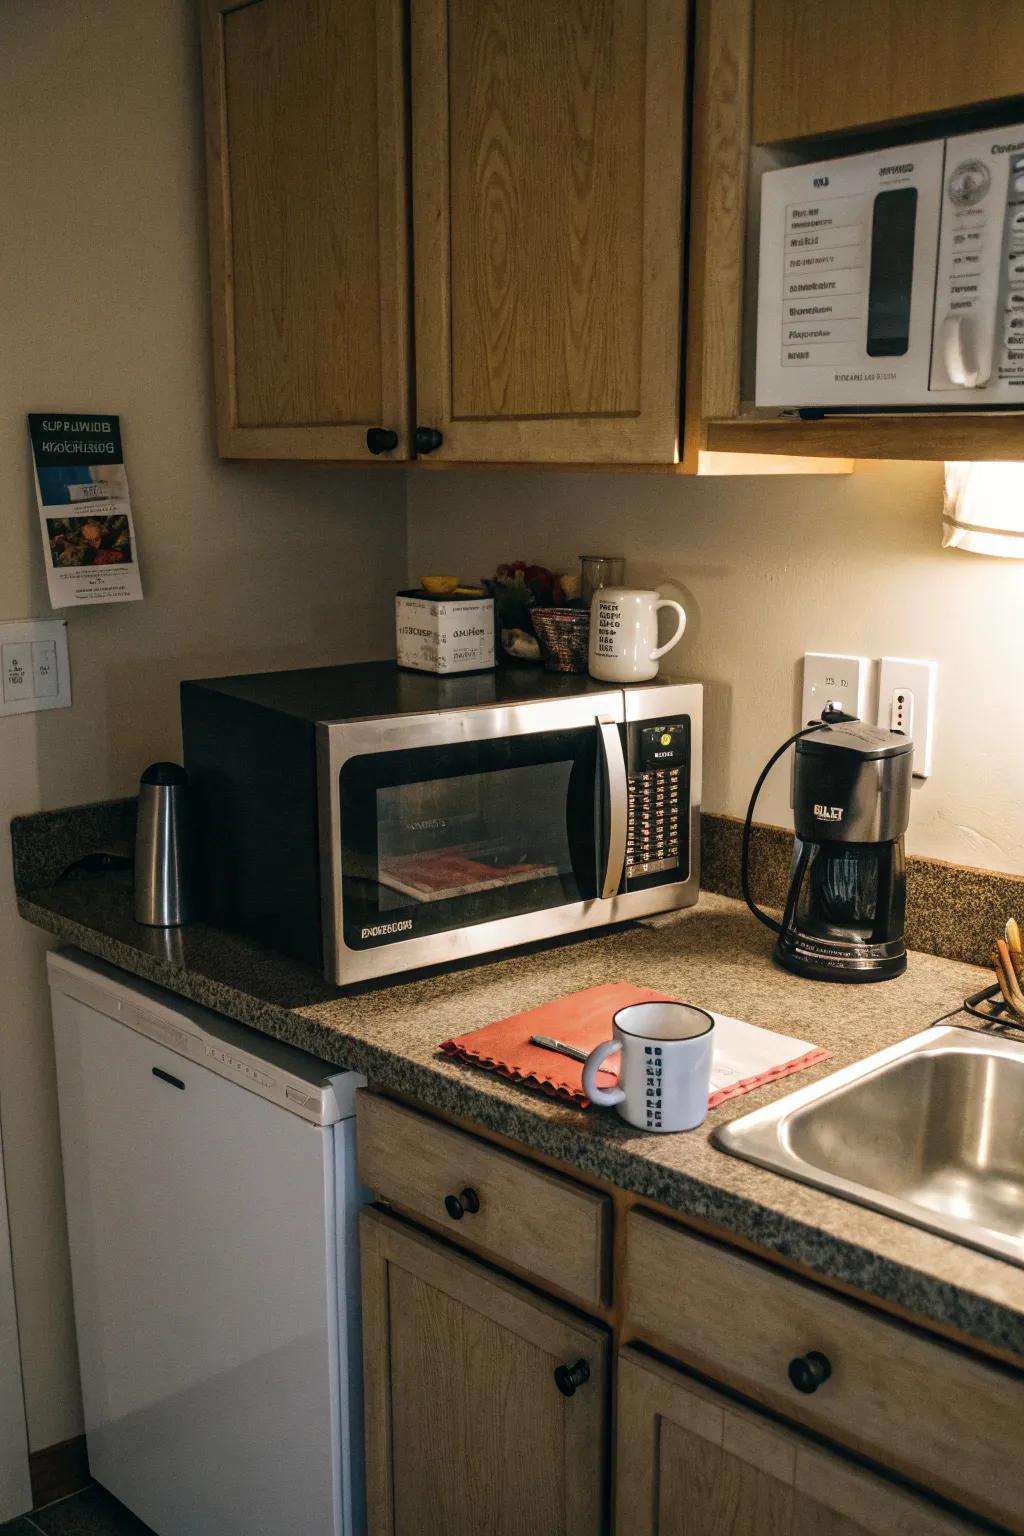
(658,835)
(978,343)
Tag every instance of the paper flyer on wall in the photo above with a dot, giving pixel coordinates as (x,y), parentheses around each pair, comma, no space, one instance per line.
(84,509)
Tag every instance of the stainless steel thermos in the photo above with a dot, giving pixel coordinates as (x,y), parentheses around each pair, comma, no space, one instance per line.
(163,848)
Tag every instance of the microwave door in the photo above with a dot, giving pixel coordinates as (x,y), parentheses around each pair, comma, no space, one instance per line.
(459,846)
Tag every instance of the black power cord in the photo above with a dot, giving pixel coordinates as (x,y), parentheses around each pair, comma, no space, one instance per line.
(828,717)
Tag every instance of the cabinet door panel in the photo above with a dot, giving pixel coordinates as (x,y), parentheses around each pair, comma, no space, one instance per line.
(876,61)
(691,1462)
(463,1417)
(305,131)
(703,1490)
(549,100)
(547,207)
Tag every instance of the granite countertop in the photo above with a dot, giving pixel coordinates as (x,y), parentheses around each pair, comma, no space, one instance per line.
(714,954)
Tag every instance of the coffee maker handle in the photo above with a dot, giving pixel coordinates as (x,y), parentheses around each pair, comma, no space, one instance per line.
(666,602)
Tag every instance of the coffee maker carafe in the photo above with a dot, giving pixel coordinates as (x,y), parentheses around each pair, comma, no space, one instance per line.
(844,914)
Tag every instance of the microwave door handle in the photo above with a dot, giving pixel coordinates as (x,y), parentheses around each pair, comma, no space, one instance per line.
(959,349)
(614,765)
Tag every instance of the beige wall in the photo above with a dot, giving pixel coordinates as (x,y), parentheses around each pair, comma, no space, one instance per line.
(768,569)
(103,306)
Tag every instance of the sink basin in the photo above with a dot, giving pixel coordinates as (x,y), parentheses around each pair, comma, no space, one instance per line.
(930,1131)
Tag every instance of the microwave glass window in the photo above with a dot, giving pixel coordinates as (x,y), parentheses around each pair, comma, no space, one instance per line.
(457,838)
(438,838)
(893,224)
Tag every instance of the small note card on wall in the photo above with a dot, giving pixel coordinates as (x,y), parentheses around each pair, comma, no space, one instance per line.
(84,509)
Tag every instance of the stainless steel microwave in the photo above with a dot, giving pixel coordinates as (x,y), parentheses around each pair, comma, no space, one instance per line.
(372,821)
(895,277)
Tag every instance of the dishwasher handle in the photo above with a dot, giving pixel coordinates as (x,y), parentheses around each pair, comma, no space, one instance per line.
(616,803)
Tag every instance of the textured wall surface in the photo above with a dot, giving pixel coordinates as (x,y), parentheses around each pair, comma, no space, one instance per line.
(104,306)
(770,568)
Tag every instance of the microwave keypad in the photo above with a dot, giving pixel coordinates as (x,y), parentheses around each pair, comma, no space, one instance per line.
(652,840)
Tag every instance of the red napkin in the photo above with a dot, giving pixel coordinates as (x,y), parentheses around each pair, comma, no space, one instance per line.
(583,1019)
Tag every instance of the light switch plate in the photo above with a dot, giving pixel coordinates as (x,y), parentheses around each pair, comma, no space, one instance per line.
(831,679)
(34,668)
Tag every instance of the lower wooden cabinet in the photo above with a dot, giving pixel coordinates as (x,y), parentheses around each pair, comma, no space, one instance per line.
(690,1462)
(468,1425)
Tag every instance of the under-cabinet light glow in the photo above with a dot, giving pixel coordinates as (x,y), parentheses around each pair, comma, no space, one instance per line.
(984,508)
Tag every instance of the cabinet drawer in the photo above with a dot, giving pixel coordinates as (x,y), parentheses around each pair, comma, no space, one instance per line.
(930,1410)
(542,1224)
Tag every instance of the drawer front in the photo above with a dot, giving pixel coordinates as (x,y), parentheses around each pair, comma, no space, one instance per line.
(930,1410)
(535,1220)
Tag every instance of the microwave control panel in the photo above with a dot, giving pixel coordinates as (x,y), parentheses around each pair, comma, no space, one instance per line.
(978,347)
(658,835)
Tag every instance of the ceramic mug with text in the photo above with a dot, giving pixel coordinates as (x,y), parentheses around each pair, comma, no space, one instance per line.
(624,634)
(665,1066)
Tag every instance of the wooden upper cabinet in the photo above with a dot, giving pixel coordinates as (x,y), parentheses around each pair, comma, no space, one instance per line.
(690,1462)
(547,183)
(305,121)
(822,69)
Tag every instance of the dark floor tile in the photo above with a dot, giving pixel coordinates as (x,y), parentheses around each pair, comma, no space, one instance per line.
(90,1513)
(17,1528)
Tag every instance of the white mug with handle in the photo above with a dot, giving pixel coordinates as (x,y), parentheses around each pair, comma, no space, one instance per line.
(665,1067)
(624,633)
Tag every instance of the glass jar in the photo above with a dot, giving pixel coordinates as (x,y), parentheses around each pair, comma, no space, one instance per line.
(598,571)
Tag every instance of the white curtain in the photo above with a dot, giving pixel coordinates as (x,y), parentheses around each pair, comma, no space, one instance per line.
(984,508)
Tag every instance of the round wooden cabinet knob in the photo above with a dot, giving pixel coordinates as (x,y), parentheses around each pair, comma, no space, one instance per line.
(426,439)
(381,439)
(466,1204)
(569,1377)
(809,1372)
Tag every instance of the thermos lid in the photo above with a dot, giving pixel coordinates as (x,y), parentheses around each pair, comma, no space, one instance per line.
(164,774)
(869,742)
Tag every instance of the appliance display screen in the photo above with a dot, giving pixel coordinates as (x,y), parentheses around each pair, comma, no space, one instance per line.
(892,272)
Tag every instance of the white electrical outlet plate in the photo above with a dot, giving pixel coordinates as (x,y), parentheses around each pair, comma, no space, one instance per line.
(840,680)
(906,702)
(34,670)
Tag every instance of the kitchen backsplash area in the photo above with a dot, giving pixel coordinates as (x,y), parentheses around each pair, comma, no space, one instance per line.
(768,569)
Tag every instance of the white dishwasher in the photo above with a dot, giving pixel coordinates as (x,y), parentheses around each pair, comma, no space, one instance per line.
(212,1204)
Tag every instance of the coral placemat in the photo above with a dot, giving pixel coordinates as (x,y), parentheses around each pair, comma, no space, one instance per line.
(745,1054)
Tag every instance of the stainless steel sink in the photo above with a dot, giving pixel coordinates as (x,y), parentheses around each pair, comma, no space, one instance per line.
(930,1131)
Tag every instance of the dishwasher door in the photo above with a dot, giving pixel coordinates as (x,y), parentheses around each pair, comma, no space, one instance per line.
(204,1264)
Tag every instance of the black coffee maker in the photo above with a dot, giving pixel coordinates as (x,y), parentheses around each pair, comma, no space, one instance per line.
(844,914)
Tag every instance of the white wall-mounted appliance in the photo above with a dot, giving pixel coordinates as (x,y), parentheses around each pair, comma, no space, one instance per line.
(212,1205)
(895,277)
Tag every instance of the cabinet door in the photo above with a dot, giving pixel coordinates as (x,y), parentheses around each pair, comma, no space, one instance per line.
(692,1463)
(305,132)
(548,217)
(877,61)
(466,1429)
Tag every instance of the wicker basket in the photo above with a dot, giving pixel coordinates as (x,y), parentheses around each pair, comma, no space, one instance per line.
(564,637)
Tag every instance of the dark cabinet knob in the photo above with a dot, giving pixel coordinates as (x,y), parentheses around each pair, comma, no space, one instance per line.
(569,1377)
(426,439)
(381,439)
(466,1204)
(809,1372)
